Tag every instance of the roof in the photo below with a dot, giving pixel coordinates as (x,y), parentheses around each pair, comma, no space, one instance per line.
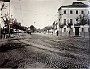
(75,5)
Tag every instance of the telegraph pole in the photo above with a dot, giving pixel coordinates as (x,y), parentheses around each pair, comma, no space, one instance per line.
(21,10)
(9,19)
(89,34)
(0,20)
(0,17)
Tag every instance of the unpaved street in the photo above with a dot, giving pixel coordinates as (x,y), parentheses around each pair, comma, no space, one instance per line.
(44,51)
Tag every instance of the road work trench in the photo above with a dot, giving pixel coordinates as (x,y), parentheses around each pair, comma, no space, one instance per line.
(9,53)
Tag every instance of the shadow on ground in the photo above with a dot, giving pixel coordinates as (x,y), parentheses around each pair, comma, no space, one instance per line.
(10,46)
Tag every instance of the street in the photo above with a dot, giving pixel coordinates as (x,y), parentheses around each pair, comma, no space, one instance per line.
(44,51)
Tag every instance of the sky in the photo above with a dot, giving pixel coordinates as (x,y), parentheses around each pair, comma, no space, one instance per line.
(39,13)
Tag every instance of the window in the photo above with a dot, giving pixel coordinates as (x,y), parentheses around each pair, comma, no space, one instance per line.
(64,11)
(64,29)
(71,21)
(88,12)
(76,19)
(59,19)
(71,12)
(82,12)
(82,29)
(88,21)
(65,21)
(76,11)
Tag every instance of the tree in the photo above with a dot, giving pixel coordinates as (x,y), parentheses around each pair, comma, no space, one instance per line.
(16,25)
(69,25)
(47,28)
(54,27)
(32,28)
(38,30)
(82,20)
(7,23)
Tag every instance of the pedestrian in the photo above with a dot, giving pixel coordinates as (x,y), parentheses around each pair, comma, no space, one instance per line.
(57,33)
(4,32)
(1,33)
(30,32)
(69,33)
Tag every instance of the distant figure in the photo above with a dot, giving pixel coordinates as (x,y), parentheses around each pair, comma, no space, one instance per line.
(69,33)
(1,33)
(4,32)
(57,33)
(30,33)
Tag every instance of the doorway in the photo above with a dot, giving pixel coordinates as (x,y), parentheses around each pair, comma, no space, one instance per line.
(76,31)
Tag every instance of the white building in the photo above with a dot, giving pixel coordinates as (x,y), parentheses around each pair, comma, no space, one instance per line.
(69,14)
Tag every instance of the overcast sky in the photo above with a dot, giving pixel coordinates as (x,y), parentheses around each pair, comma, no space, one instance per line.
(39,13)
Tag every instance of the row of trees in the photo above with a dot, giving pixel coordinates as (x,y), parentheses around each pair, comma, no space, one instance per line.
(10,25)
(81,20)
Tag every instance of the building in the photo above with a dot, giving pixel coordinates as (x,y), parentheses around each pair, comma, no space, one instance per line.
(69,17)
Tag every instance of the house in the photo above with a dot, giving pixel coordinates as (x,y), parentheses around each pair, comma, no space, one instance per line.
(69,18)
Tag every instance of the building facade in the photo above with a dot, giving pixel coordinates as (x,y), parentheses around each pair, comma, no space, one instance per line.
(70,15)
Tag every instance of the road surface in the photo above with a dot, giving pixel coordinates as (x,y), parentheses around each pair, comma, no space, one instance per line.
(44,51)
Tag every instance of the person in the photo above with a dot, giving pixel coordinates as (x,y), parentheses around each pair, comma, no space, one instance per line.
(57,33)
(69,33)
(4,34)
(1,33)
(30,32)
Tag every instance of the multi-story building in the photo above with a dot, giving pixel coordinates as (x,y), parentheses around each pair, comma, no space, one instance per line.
(70,15)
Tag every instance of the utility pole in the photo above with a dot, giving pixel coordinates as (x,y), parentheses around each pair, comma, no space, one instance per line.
(21,10)
(89,32)
(9,19)
(0,17)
